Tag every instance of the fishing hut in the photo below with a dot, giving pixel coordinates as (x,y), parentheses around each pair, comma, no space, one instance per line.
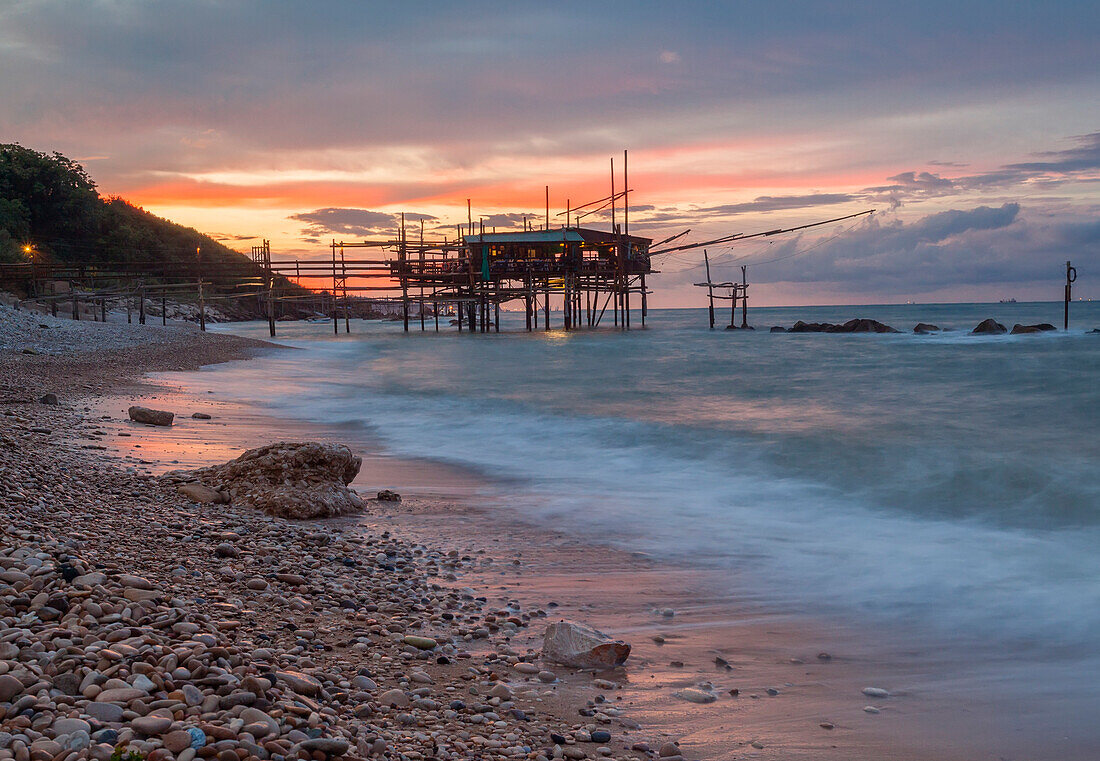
(587,272)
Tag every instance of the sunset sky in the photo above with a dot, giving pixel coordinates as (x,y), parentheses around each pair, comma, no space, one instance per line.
(973,128)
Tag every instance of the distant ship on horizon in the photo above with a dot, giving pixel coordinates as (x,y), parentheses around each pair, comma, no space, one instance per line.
(1007,301)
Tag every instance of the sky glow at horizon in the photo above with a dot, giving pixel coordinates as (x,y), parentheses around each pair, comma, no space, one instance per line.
(974,129)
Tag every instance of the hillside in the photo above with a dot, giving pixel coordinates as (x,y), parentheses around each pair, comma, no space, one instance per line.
(49,204)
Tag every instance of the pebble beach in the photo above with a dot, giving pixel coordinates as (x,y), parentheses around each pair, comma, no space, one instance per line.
(136,623)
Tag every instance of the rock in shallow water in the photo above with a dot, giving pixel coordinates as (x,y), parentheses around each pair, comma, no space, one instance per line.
(989,327)
(1042,327)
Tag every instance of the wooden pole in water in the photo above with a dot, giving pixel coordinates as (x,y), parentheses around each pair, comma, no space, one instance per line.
(744,299)
(626,302)
(141,307)
(1071,277)
(565,301)
(163,309)
(335,314)
(270,288)
(527,298)
(404,280)
(347,302)
(421,274)
(710,288)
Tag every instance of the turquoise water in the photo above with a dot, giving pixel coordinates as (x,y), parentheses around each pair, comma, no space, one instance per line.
(947,485)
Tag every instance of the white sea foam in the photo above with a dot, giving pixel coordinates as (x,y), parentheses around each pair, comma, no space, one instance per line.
(948,484)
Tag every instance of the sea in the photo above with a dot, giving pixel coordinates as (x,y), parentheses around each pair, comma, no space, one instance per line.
(945,486)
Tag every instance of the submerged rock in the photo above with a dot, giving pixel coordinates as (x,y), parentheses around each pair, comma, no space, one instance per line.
(925,327)
(579,646)
(287,479)
(858,325)
(150,416)
(863,325)
(810,327)
(777,329)
(1042,327)
(989,327)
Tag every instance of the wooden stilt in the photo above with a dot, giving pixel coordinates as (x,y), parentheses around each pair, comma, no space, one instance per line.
(270,277)
(744,299)
(710,289)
